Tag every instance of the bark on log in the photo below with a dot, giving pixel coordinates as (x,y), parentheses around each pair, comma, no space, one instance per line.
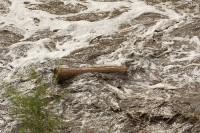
(63,74)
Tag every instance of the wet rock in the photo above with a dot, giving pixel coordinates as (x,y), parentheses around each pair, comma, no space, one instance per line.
(99,46)
(188,30)
(148,19)
(96,16)
(57,7)
(21,51)
(106,0)
(51,46)
(41,34)
(152,2)
(62,38)
(179,6)
(3,52)
(87,17)
(36,20)
(5,34)
(4,6)
(117,12)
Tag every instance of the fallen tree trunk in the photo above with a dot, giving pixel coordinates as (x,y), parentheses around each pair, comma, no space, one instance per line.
(63,74)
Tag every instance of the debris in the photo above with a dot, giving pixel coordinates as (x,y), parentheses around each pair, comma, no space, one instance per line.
(63,74)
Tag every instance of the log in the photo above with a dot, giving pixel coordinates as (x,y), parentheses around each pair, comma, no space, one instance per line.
(63,74)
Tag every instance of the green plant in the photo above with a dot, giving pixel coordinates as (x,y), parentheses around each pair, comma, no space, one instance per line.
(34,111)
(33,74)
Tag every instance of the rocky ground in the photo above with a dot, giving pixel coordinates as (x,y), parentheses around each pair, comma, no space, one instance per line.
(158,40)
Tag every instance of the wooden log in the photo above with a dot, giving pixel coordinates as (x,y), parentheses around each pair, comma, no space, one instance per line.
(63,74)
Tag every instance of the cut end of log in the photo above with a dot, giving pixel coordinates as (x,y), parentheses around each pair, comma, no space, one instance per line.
(62,74)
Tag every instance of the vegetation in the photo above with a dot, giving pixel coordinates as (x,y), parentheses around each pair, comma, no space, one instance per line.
(34,111)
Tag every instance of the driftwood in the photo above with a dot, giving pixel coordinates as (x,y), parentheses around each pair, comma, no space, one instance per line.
(63,74)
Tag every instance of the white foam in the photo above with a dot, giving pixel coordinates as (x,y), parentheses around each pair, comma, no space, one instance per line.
(83,31)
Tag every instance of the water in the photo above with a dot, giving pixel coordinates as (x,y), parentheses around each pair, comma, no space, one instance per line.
(158,42)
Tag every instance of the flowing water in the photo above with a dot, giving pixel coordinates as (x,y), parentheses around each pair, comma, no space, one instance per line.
(158,40)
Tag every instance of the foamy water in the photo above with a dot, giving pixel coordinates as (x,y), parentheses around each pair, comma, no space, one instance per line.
(82,31)
(167,54)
